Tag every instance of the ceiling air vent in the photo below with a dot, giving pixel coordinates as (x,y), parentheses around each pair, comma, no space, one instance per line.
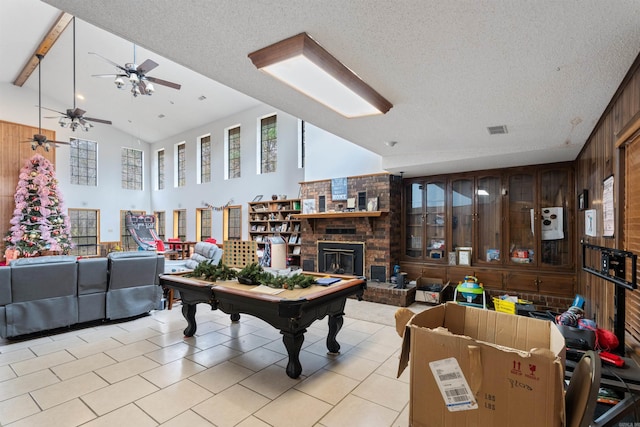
(497,130)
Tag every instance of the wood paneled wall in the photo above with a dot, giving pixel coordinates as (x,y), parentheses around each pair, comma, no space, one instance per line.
(13,155)
(598,160)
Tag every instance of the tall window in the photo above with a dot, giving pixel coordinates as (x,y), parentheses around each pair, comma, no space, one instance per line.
(232,223)
(84,231)
(161,224)
(131,169)
(205,159)
(268,145)
(180,224)
(83,159)
(301,143)
(181,165)
(126,241)
(233,152)
(160,161)
(203,224)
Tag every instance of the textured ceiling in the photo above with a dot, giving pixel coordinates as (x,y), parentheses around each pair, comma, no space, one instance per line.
(545,69)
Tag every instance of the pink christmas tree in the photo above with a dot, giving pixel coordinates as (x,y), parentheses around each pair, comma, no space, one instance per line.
(39,221)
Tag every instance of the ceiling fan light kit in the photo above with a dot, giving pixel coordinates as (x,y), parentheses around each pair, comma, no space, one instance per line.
(136,76)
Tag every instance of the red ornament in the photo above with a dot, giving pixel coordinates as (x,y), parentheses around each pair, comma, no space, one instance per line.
(34,218)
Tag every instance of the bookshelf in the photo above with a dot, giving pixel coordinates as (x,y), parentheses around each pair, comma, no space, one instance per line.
(276,218)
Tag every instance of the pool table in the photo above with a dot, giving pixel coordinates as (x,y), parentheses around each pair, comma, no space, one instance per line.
(290,311)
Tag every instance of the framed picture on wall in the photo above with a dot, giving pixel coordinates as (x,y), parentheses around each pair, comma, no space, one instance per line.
(583,200)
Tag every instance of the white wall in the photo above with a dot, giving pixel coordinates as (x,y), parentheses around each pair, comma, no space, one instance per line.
(329,156)
(326,156)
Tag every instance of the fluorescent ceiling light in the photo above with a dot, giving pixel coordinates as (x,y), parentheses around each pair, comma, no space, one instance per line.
(303,64)
(482,192)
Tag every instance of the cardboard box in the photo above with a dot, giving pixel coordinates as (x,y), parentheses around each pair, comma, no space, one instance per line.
(485,369)
(433,297)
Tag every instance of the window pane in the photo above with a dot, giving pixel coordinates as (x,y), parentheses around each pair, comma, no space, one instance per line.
(161,170)
(235,216)
(205,159)
(234,152)
(84,231)
(83,162)
(205,224)
(269,144)
(131,169)
(160,224)
(182,173)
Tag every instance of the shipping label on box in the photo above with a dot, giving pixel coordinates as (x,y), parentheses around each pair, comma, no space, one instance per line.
(513,367)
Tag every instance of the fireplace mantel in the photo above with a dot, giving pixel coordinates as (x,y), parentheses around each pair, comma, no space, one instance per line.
(312,217)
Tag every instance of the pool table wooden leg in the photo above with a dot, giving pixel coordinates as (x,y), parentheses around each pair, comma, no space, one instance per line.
(189,313)
(335,324)
(293,343)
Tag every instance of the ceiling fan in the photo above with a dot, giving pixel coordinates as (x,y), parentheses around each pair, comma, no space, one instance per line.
(136,75)
(40,140)
(74,117)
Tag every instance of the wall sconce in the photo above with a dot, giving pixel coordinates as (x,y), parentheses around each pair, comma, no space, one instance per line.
(303,64)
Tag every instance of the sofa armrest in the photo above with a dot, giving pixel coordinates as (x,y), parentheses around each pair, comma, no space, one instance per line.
(5,285)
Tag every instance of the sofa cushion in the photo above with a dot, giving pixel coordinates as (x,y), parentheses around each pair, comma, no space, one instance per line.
(32,280)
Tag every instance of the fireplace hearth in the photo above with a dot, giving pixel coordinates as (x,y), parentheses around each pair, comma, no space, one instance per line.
(341,258)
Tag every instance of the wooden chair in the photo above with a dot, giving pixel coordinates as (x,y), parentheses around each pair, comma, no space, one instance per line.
(582,393)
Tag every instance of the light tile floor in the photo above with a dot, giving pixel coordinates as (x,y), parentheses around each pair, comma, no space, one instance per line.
(143,372)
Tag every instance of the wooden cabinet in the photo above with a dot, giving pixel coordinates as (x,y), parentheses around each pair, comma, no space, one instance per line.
(275,218)
(426,220)
(519,224)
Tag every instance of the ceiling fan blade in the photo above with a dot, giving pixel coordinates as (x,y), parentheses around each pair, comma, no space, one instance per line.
(109,61)
(55,111)
(78,112)
(143,87)
(109,75)
(59,142)
(51,117)
(146,66)
(164,82)
(91,119)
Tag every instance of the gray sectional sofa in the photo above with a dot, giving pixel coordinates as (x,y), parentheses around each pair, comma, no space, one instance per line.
(48,292)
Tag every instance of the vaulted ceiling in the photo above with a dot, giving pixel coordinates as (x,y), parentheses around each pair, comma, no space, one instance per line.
(545,69)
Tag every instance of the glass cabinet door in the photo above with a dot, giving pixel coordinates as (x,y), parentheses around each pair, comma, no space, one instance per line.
(555,249)
(489,224)
(415,213)
(522,224)
(462,218)
(436,220)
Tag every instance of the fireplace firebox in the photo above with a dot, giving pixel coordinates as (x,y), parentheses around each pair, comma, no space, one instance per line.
(341,258)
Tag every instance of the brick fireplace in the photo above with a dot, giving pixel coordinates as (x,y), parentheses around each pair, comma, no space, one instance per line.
(377,233)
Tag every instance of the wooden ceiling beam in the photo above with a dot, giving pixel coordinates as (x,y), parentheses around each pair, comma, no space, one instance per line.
(46,44)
